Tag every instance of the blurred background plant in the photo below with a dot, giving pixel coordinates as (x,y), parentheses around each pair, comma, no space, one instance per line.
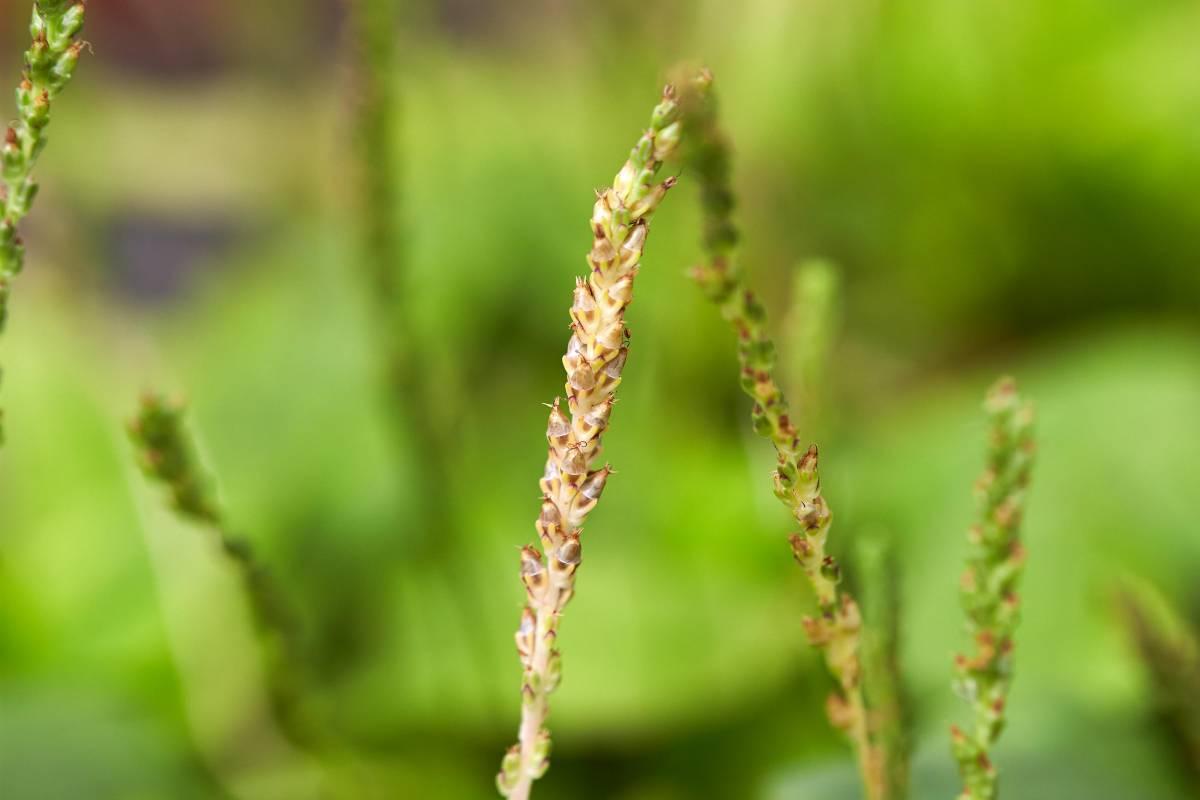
(1004,187)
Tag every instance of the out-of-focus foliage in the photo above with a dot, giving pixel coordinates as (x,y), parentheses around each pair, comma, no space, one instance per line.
(1005,187)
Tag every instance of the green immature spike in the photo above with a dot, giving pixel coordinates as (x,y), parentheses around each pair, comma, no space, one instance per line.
(574,477)
(994,564)
(167,455)
(836,631)
(49,64)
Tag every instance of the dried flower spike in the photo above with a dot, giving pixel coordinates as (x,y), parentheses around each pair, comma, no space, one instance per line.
(994,563)
(49,63)
(166,454)
(836,630)
(573,479)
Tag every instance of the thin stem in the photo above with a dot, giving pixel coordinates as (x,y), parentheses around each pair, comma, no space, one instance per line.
(887,706)
(836,630)
(414,414)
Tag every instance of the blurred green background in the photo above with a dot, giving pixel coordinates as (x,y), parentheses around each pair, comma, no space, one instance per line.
(1005,187)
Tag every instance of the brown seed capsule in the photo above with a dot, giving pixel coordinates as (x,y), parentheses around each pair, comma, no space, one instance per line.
(570,551)
(613,368)
(533,574)
(549,523)
(583,309)
(851,617)
(597,418)
(574,462)
(612,335)
(602,253)
(582,379)
(621,292)
(583,300)
(594,484)
(841,714)
(558,428)
(807,465)
(801,549)
(550,514)
(636,239)
(531,562)
(602,212)
(524,635)
(813,515)
(816,631)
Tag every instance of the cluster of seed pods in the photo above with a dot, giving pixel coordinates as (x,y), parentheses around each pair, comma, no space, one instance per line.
(575,476)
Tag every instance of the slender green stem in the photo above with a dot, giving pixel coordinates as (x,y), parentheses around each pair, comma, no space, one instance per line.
(887,706)
(810,326)
(438,534)
(836,630)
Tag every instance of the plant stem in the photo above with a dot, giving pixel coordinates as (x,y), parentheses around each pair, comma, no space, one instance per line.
(572,483)
(994,564)
(49,64)
(167,454)
(1169,648)
(836,630)
(887,710)
(810,325)
(415,415)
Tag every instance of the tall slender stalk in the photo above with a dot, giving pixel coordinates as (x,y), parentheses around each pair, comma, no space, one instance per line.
(49,64)
(437,532)
(375,29)
(573,481)
(887,702)
(811,322)
(167,454)
(382,255)
(989,597)
(836,629)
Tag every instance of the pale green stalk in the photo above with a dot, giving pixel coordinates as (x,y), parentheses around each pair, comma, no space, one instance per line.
(438,534)
(836,629)
(49,63)
(574,479)
(887,703)
(811,322)
(995,560)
